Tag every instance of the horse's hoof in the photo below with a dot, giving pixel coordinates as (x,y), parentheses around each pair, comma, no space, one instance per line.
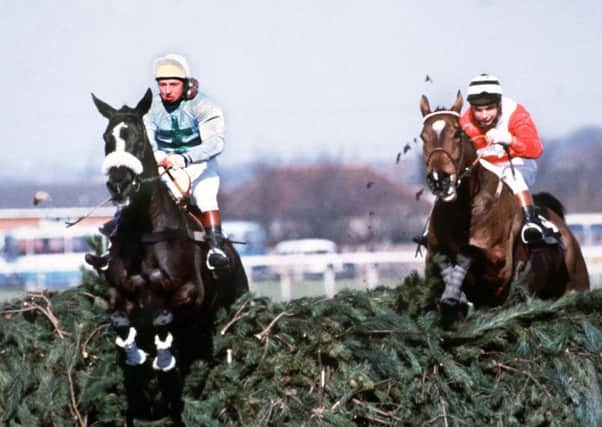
(452,311)
(99,262)
(163,318)
(138,281)
(156,276)
(119,319)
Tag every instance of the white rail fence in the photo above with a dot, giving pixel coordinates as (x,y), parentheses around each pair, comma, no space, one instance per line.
(367,267)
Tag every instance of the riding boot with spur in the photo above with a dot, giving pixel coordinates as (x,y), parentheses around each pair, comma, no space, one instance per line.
(536,229)
(216,257)
(108,229)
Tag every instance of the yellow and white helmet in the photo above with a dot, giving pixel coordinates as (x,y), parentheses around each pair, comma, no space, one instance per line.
(172,66)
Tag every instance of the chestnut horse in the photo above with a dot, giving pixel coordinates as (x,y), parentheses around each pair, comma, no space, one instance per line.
(474,227)
(161,297)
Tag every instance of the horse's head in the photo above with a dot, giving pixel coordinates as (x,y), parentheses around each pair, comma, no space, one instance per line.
(126,147)
(446,149)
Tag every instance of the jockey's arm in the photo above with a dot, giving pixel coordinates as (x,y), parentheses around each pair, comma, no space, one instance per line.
(150,130)
(525,142)
(211,131)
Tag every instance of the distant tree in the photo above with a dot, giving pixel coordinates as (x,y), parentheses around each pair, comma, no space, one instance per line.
(570,169)
(346,203)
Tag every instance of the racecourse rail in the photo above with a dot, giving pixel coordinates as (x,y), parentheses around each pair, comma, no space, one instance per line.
(290,269)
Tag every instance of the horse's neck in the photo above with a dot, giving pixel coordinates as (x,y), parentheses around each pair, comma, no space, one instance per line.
(486,194)
(163,211)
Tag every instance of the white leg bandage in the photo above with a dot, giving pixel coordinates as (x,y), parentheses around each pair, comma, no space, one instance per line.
(164,360)
(134,356)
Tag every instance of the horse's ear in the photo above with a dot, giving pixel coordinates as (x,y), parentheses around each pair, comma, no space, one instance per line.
(457,107)
(104,108)
(145,103)
(425,108)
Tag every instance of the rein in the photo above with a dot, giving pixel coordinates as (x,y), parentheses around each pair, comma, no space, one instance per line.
(468,169)
(139,182)
(88,214)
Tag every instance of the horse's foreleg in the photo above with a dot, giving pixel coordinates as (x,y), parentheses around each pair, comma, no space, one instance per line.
(126,339)
(453,277)
(170,378)
(454,302)
(164,361)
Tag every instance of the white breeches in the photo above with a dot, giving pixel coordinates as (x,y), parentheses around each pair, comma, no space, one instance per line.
(524,173)
(203,181)
(205,187)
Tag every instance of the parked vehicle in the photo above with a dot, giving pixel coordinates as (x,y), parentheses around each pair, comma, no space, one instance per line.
(317,250)
(47,257)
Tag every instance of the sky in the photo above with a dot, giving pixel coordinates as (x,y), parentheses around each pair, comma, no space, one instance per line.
(297,80)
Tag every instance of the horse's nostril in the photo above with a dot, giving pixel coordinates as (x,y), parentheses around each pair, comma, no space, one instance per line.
(439,182)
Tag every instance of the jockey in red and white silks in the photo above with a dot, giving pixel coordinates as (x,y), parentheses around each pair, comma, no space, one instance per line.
(501,128)
(524,148)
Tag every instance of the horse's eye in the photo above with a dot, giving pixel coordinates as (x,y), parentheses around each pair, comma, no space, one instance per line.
(458,134)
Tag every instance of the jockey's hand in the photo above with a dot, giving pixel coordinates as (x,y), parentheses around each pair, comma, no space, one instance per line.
(175,161)
(499,136)
(159,156)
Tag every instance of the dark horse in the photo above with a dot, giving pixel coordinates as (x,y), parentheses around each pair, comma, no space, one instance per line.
(161,298)
(475,224)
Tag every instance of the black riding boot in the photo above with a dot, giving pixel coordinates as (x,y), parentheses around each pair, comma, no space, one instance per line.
(420,239)
(216,257)
(108,229)
(535,230)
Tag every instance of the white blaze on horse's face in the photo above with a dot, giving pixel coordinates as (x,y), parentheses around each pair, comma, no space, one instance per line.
(119,141)
(438,126)
(120,157)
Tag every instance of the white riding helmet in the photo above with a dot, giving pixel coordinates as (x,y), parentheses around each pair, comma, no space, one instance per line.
(172,66)
(484,89)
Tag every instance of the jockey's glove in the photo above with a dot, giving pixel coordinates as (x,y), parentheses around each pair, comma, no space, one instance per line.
(499,136)
(159,156)
(175,161)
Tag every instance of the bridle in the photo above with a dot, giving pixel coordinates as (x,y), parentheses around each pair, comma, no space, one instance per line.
(460,159)
(122,158)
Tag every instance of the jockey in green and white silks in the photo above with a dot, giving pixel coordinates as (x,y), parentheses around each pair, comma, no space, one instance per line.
(194,130)
(187,131)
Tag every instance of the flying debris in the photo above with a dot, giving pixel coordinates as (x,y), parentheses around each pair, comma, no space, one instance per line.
(398,158)
(419,193)
(406,148)
(39,197)
(415,140)
(369,184)
(428,79)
